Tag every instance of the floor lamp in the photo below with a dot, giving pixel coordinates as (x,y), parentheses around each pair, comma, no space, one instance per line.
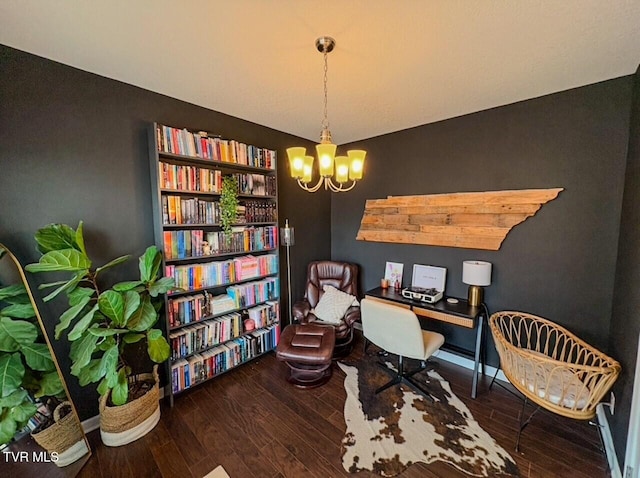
(287,239)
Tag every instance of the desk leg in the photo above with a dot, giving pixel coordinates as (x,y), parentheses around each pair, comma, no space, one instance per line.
(474,386)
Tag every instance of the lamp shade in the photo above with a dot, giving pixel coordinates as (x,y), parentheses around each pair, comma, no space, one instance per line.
(307,169)
(326,154)
(342,169)
(476,273)
(296,161)
(356,160)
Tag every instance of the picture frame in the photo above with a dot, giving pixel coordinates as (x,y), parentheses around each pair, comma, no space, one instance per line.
(393,272)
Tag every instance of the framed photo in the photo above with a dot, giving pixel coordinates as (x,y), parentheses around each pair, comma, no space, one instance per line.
(393,272)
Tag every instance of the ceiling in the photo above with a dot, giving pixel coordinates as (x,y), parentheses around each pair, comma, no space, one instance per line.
(396,64)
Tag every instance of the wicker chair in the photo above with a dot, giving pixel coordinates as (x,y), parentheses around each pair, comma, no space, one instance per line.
(550,366)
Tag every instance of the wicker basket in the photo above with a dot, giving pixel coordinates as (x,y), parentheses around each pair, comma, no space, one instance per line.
(551,366)
(63,434)
(125,417)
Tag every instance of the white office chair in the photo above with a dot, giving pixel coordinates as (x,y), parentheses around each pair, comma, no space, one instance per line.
(397,331)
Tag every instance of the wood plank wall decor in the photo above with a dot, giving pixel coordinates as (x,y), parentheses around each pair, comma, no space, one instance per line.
(476,220)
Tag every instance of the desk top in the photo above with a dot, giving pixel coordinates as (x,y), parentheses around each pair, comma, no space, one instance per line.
(461,309)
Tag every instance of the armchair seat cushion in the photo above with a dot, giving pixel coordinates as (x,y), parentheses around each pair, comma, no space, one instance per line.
(333,305)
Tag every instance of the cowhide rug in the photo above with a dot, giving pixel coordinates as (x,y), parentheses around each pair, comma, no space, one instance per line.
(398,427)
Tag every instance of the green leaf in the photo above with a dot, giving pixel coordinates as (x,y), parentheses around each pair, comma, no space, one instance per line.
(83,324)
(90,373)
(161,286)
(14,399)
(149,264)
(111,304)
(12,291)
(19,299)
(109,362)
(81,351)
(8,427)
(14,333)
(23,412)
(79,237)
(101,332)
(11,373)
(76,295)
(50,385)
(157,346)
(143,318)
(132,338)
(69,315)
(131,304)
(18,311)
(120,391)
(103,387)
(38,357)
(67,286)
(68,260)
(113,263)
(55,237)
(127,285)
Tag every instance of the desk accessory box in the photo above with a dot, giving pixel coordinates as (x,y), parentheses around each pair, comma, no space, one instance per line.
(427,283)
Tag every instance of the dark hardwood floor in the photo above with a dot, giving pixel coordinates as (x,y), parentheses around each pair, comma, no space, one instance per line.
(255,424)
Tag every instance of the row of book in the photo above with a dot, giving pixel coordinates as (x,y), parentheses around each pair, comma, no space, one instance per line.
(212,274)
(180,210)
(183,244)
(251,293)
(256,184)
(205,146)
(190,178)
(208,333)
(194,308)
(187,372)
(183,210)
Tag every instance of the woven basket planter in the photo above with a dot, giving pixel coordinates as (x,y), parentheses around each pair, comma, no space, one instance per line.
(126,423)
(64,438)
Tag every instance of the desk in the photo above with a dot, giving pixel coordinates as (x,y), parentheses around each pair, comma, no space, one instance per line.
(460,314)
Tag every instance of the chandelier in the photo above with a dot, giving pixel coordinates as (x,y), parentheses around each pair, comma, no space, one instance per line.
(346,168)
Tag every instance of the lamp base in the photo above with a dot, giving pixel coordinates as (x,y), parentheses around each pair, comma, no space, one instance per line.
(475,295)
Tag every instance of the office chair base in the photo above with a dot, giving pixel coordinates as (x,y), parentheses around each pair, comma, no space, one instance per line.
(401,376)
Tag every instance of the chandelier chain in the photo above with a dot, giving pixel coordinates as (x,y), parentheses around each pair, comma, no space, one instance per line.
(325,120)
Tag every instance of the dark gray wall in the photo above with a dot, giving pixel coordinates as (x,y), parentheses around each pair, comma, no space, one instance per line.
(559,264)
(73,145)
(625,320)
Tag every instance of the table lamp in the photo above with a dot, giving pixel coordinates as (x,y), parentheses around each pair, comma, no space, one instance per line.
(476,274)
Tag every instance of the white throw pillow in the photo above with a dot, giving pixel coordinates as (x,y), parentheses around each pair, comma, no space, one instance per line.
(333,304)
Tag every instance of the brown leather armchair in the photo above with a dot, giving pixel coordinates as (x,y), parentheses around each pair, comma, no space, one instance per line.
(341,275)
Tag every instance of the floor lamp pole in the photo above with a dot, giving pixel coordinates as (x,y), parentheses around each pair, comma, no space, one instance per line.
(287,238)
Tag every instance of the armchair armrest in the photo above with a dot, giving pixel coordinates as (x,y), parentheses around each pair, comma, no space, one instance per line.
(301,310)
(352,315)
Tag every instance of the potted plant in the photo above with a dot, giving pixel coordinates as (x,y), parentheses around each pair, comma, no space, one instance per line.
(105,320)
(31,391)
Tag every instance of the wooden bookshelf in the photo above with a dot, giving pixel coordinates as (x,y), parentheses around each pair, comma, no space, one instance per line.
(205,320)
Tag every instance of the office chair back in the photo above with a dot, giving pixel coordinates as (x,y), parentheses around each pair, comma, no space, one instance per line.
(392,328)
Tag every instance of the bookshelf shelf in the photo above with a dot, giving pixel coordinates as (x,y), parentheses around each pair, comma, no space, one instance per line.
(186,260)
(187,168)
(245,361)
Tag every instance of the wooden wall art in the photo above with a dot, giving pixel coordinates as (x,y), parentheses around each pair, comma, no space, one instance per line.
(476,220)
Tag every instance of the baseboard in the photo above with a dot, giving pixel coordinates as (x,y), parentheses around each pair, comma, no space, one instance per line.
(607,440)
(91,424)
(468,363)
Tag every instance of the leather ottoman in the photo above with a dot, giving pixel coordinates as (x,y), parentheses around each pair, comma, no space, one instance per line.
(307,350)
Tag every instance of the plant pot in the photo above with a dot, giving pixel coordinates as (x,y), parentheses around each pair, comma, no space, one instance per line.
(123,424)
(63,438)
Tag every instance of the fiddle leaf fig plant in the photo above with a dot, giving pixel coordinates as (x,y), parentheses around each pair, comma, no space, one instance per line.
(101,320)
(26,366)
